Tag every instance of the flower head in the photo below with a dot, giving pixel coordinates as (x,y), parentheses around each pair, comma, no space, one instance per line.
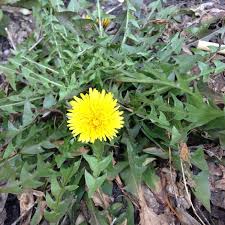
(105,21)
(94,116)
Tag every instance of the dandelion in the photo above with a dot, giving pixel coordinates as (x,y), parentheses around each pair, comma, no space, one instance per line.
(105,21)
(94,116)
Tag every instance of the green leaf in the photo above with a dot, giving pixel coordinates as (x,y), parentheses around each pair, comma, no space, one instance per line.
(186,62)
(57,5)
(178,109)
(220,66)
(74,6)
(150,178)
(43,168)
(9,1)
(98,166)
(176,136)
(7,171)
(93,183)
(162,119)
(206,70)
(37,217)
(133,175)
(198,159)
(55,187)
(60,159)
(9,150)
(130,213)
(202,190)
(114,170)
(27,113)
(50,202)
(9,73)
(156,152)
(69,172)
(1,15)
(11,187)
(27,179)
(49,101)
(200,113)
(52,216)
(71,187)
(32,149)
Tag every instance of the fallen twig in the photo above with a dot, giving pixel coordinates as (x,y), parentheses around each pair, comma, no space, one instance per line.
(10,38)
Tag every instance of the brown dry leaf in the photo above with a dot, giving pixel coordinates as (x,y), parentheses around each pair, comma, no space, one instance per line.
(220,184)
(38,194)
(214,169)
(175,189)
(16,10)
(151,200)
(101,199)
(185,218)
(218,199)
(169,177)
(184,152)
(214,151)
(26,203)
(147,215)
(186,49)
(80,219)
(160,21)
(80,151)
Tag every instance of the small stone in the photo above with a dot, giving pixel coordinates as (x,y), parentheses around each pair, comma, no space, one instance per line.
(6,52)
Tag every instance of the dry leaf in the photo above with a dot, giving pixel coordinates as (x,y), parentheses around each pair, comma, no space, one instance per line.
(220,184)
(147,215)
(151,200)
(160,21)
(101,199)
(185,218)
(184,152)
(80,151)
(38,194)
(26,203)
(80,219)
(204,45)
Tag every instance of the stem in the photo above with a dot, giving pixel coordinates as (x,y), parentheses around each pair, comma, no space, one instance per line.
(126,26)
(19,103)
(98,149)
(40,65)
(151,81)
(188,194)
(99,19)
(39,76)
(57,49)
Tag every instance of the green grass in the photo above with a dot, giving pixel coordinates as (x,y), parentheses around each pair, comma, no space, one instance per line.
(155,87)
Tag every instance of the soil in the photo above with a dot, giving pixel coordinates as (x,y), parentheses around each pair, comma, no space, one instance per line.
(12,208)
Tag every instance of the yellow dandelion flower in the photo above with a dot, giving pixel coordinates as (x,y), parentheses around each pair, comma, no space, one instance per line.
(105,21)
(94,116)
